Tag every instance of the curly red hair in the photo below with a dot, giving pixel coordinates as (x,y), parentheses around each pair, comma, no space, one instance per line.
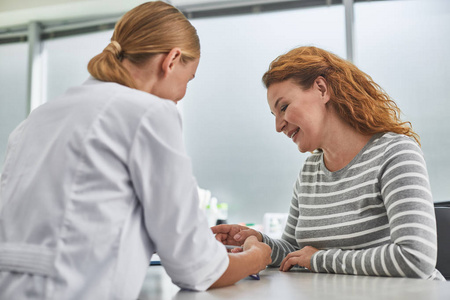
(355,96)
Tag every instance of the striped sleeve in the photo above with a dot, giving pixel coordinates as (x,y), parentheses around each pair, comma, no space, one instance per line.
(287,243)
(406,194)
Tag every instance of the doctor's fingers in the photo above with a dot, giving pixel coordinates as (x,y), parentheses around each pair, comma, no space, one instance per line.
(236,250)
(225,228)
(224,238)
(244,234)
(230,229)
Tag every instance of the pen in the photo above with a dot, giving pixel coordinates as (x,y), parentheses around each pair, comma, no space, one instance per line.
(229,247)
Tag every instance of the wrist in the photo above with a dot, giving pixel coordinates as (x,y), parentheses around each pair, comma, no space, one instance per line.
(260,237)
(255,255)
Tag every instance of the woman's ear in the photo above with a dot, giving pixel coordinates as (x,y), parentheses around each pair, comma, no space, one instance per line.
(321,84)
(170,61)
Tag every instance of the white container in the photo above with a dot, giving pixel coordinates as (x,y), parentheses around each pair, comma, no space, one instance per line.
(274,224)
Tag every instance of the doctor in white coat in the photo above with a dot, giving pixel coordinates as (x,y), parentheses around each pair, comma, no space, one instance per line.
(98,180)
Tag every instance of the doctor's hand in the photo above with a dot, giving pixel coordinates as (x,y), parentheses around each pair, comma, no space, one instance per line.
(232,234)
(253,259)
(259,251)
(301,257)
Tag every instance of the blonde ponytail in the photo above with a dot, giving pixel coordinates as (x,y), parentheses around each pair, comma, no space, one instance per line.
(107,66)
(148,29)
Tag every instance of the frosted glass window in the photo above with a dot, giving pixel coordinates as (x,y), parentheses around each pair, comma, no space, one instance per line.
(404,46)
(66,60)
(229,131)
(13,90)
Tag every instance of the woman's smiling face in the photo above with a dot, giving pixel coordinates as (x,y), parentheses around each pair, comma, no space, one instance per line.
(300,114)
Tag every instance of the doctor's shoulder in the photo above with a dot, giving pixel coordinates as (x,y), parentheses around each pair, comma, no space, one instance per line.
(130,101)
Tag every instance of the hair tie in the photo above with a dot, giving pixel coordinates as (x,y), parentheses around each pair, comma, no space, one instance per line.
(115,48)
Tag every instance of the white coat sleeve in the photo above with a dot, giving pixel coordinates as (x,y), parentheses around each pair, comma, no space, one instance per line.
(162,177)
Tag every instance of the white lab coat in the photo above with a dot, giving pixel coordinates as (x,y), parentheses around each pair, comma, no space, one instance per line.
(93,184)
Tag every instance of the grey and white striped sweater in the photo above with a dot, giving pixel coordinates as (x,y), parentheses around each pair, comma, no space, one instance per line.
(373,217)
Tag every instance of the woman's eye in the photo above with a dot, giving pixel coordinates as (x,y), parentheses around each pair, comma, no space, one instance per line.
(283,108)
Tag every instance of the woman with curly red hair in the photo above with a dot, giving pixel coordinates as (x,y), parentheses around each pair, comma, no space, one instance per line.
(362,202)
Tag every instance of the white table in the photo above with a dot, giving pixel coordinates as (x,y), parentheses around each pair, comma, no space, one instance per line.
(299,285)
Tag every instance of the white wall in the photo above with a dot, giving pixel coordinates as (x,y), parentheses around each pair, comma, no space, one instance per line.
(18,12)
(404,46)
(13,104)
(14,13)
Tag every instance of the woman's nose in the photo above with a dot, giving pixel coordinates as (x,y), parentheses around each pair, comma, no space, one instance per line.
(280,124)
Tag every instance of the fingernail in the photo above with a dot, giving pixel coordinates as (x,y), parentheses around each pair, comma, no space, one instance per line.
(237,236)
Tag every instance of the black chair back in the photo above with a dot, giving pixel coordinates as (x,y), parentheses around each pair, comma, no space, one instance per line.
(442,210)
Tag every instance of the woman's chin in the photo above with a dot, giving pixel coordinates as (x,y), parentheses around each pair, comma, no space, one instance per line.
(302,149)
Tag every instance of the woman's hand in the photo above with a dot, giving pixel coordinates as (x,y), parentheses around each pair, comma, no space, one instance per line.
(232,234)
(301,257)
